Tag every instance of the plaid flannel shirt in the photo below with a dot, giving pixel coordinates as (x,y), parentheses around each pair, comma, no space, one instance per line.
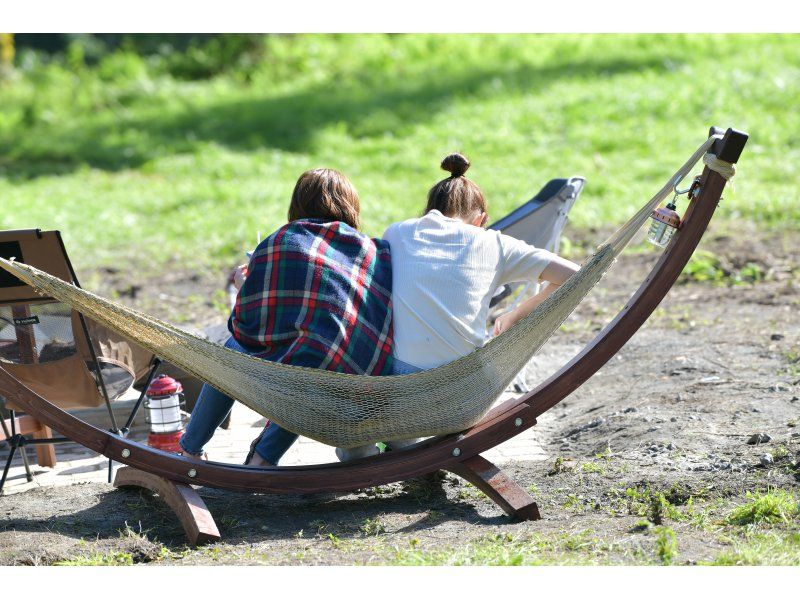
(318,294)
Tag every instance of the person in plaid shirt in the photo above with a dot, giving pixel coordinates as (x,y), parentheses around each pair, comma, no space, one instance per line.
(317,293)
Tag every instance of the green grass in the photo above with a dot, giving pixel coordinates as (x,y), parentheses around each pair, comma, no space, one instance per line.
(774,506)
(99,559)
(141,170)
(705,266)
(656,506)
(507,550)
(666,545)
(591,467)
(762,548)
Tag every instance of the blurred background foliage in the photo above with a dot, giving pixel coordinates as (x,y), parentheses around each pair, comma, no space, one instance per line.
(159,149)
(183,56)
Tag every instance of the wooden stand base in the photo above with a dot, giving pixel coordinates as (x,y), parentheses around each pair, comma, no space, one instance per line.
(192,512)
(200,527)
(508,495)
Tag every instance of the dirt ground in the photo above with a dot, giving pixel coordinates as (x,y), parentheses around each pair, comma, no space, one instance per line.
(648,461)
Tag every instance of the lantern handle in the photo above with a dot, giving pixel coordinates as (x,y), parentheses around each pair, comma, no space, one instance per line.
(679,191)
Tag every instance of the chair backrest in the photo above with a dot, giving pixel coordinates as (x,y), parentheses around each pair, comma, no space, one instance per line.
(539,222)
(45,344)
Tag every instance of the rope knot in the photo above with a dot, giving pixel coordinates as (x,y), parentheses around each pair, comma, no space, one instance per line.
(725,169)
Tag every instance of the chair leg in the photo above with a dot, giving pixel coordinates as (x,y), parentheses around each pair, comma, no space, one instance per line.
(26,463)
(13,449)
(508,495)
(13,443)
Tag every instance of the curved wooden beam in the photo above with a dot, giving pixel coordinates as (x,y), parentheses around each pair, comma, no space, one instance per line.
(446,452)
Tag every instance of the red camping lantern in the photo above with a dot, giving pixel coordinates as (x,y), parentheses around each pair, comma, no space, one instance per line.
(163,408)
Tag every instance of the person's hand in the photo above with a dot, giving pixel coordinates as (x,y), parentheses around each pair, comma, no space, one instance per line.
(504,322)
(239,276)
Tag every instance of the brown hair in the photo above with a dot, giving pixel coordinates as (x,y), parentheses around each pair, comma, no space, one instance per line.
(327,195)
(456,196)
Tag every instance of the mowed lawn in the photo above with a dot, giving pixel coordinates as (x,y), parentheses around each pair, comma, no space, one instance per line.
(144,171)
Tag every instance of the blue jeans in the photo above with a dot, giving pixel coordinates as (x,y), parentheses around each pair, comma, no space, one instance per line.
(210,411)
(401,367)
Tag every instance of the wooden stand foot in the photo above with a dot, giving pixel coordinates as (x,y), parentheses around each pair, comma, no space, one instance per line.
(508,495)
(25,424)
(45,453)
(192,512)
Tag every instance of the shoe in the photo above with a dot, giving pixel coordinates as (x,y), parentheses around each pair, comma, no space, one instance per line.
(201,457)
(253,445)
(357,452)
(399,445)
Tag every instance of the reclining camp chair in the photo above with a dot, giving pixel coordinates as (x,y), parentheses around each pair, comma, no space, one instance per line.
(539,222)
(54,349)
(448,403)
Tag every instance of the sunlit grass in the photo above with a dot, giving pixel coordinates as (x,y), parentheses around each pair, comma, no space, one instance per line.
(762,548)
(98,559)
(774,506)
(143,171)
(507,550)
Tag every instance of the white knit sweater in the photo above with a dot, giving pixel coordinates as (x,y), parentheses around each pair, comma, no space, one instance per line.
(444,273)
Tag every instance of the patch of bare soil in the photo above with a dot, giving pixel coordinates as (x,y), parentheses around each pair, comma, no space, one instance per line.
(662,438)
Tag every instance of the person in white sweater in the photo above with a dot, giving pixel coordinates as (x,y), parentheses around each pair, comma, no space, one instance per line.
(446,268)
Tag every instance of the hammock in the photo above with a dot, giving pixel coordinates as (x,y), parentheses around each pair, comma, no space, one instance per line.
(348,410)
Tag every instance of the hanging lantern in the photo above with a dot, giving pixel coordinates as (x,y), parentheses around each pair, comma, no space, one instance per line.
(665,222)
(163,412)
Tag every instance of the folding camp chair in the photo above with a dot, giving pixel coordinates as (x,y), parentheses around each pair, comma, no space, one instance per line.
(540,222)
(55,350)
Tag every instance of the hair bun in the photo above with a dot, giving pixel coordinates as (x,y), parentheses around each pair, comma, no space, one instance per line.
(455,164)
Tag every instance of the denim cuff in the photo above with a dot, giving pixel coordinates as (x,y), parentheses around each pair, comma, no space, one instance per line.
(274,443)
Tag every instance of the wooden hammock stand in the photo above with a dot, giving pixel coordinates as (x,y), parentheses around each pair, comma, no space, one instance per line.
(171,475)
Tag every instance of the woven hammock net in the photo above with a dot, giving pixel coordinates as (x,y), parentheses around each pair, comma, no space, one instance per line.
(348,410)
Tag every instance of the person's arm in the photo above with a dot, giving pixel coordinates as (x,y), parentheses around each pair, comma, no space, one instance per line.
(555,274)
(239,276)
